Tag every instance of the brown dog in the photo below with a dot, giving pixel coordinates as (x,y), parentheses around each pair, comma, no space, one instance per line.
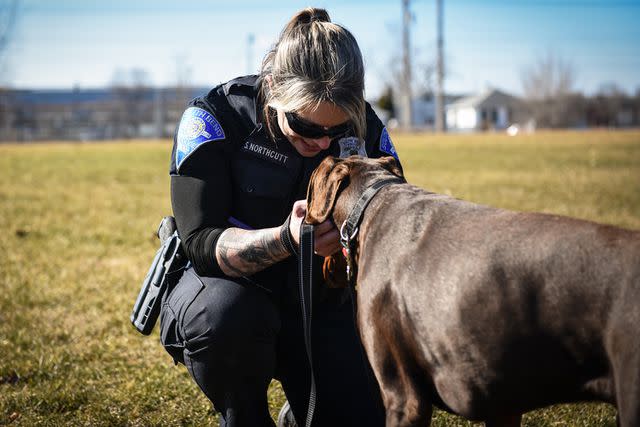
(484,312)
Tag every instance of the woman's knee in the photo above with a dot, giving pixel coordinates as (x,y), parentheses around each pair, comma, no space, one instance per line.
(225,314)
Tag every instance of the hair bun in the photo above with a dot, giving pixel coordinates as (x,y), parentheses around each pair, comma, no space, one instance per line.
(309,15)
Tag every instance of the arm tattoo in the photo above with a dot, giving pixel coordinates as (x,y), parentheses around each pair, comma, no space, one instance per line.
(244,252)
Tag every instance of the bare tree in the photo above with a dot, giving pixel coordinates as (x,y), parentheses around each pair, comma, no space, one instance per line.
(131,100)
(423,71)
(425,76)
(548,84)
(614,100)
(183,71)
(611,107)
(183,76)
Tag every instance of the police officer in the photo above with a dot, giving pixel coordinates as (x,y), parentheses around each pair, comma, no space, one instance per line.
(241,162)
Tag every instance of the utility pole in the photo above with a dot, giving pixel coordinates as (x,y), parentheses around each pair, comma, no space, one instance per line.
(250,40)
(407,114)
(440,117)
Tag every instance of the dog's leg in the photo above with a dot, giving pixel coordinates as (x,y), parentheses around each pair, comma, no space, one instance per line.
(392,356)
(405,406)
(626,368)
(505,421)
(624,352)
(628,393)
(400,418)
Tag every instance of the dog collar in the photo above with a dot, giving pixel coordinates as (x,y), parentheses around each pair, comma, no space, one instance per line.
(349,228)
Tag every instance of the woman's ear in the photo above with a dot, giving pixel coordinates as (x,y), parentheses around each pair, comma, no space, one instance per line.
(323,189)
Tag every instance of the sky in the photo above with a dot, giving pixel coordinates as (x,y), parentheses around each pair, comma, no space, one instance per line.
(487,43)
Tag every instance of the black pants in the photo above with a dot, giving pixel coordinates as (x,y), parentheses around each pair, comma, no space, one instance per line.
(233,339)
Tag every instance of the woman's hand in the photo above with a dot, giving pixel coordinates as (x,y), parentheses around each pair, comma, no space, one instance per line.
(298,212)
(327,239)
(326,235)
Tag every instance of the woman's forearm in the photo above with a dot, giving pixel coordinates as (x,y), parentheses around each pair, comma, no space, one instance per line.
(244,252)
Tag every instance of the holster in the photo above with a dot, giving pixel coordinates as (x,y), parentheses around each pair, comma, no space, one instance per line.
(160,278)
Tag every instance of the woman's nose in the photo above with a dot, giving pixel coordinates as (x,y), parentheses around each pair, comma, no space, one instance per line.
(323,142)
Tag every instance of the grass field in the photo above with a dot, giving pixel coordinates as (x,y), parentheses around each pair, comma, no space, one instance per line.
(77,226)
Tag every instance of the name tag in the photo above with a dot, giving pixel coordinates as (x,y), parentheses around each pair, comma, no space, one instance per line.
(266,153)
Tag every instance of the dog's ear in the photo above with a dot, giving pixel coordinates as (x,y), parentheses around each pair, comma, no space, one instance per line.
(391,164)
(323,188)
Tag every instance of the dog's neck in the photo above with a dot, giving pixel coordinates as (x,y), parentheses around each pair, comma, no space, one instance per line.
(349,196)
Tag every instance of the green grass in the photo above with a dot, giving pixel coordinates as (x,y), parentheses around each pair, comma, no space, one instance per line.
(77,224)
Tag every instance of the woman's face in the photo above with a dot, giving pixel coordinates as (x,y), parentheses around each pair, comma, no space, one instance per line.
(327,115)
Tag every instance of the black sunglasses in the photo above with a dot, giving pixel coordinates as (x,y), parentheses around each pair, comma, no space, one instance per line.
(310,130)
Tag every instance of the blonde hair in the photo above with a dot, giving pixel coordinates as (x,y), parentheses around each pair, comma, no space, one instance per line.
(314,61)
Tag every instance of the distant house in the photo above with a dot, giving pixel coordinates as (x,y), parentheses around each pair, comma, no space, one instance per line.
(491,109)
(424,109)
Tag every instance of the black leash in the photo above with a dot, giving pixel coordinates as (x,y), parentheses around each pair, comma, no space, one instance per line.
(371,380)
(305,273)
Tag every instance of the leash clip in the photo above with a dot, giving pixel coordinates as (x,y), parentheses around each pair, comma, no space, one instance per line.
(345,239)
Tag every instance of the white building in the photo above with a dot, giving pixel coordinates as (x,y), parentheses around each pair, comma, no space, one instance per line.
(492,109)
(423,109)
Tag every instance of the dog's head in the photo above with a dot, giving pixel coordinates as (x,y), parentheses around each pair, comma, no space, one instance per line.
(346,178)
(334,187)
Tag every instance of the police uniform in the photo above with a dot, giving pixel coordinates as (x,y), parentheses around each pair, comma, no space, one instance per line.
(235,334)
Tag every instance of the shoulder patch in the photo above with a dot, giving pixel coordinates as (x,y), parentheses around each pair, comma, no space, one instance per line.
(350,146)
(386,146)
(197,126)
